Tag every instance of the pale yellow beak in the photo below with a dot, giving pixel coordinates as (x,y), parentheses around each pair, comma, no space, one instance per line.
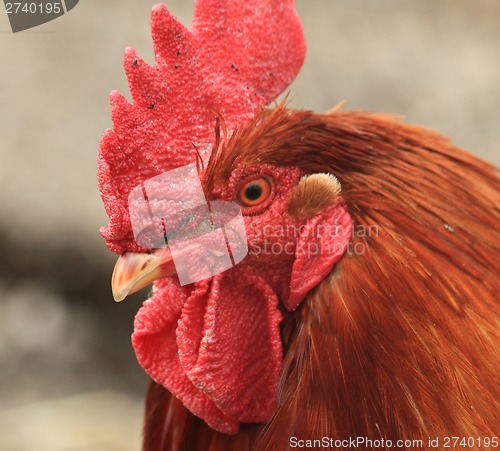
(135,271)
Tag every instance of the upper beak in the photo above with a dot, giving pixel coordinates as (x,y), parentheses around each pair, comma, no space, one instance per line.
(134,271)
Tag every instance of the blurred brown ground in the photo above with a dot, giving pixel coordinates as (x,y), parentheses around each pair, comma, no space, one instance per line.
(68,376)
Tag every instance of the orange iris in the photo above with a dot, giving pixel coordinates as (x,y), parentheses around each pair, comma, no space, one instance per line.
(254,192)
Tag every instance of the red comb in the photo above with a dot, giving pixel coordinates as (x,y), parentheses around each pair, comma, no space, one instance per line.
(238,55)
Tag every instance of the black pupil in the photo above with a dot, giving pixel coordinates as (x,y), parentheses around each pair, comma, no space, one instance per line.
(253,192)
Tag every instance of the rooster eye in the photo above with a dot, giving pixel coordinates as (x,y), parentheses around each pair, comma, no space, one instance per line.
(254,192)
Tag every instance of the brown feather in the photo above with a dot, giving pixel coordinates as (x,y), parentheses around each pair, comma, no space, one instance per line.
(312,194)
(401,340)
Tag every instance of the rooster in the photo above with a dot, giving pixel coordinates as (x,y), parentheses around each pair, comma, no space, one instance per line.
(364,312)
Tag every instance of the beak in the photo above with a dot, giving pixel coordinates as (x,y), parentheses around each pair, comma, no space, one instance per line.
(134,271)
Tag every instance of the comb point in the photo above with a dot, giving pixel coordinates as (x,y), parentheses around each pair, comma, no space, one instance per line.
(141,79)
(170,38)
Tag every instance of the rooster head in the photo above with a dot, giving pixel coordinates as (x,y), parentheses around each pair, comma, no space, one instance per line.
(199,206)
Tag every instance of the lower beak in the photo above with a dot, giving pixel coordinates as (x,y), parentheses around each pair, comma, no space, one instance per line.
(135,271)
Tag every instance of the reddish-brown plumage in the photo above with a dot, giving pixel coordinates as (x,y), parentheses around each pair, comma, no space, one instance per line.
(401,340)
(395,338)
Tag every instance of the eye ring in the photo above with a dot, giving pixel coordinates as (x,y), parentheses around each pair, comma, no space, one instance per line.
(254,192)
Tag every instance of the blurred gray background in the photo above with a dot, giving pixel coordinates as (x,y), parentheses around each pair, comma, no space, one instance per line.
(68,375)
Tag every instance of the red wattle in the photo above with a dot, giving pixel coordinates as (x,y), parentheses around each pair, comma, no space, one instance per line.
(216,347)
